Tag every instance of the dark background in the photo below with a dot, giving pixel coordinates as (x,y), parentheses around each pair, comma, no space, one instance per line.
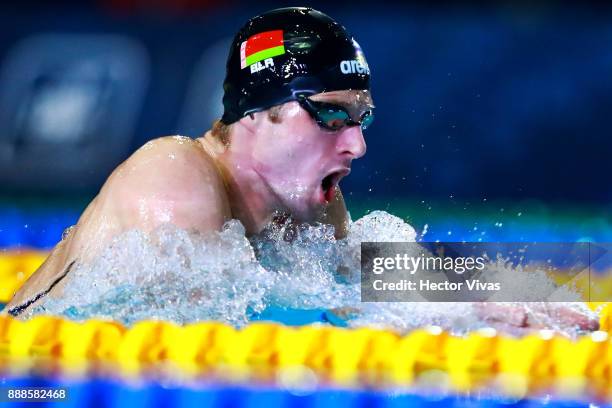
(476,103)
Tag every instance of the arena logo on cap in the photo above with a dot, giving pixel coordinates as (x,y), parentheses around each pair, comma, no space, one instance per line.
(261,47)
(354,67)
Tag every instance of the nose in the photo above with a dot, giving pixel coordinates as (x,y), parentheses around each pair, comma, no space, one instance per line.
(351,141)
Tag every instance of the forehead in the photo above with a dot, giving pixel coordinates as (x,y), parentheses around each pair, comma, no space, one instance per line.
(348,97)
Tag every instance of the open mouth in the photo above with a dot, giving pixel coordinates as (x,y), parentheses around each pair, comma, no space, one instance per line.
(329,183)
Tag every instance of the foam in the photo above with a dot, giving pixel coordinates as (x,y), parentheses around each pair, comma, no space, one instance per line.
(186,276)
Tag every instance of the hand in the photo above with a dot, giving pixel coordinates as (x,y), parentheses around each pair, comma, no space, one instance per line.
(519,318)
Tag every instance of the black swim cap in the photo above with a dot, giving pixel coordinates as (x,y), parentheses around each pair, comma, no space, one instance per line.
(288,52)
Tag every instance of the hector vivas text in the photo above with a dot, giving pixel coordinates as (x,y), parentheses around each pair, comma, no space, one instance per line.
(412,264)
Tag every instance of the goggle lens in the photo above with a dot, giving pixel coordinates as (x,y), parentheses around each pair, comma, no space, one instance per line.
(334,117)
(366,120)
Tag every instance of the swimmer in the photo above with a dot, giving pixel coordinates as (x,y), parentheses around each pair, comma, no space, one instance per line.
(296,103)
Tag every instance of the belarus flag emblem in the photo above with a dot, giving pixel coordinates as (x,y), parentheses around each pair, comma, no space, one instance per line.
(261,46)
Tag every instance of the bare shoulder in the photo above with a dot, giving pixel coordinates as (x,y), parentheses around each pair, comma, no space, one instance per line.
(168,156)
(169,179)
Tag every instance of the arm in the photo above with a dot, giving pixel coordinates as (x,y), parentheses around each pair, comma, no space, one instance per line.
(169,179)
(520,317)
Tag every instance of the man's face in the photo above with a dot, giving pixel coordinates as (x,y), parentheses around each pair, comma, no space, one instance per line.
(301,162)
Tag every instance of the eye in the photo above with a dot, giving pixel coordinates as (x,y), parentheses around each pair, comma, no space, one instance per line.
(334,118)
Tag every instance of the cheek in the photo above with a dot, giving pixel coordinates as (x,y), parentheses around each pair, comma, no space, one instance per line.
(293,159)
(289,148)
(280,153)
(294,149)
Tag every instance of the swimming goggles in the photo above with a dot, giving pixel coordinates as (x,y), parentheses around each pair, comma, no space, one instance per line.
(334,117)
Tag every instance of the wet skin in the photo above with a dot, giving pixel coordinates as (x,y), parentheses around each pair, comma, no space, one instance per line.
(269,167)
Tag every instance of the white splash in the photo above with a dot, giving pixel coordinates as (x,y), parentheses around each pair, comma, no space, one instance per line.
(183,276)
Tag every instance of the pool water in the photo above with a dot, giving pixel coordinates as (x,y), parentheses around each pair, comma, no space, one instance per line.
(174,274)
(292,274)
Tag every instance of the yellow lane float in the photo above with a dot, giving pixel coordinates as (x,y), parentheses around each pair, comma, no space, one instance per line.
(273,353)
(15,268)
(268,352)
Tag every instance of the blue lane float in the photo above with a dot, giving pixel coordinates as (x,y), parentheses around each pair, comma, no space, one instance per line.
(105,393)
(42,228)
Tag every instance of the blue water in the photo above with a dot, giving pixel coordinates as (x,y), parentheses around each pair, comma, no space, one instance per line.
(106,393)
